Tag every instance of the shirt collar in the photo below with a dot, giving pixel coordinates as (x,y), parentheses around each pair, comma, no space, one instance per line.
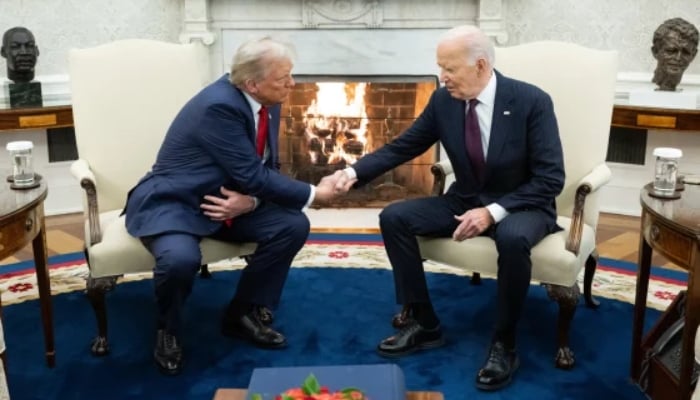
(254,105)
(488,95)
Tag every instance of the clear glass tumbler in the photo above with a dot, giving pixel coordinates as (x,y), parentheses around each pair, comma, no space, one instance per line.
(666,170)
(21,160)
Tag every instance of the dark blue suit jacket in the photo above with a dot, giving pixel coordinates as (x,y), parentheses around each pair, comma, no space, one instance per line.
(524,166)
(211,143)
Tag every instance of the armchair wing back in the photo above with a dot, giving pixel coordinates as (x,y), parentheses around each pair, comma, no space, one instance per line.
(581,82)
(125,94)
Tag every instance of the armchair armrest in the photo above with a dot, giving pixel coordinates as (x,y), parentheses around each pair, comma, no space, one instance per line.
(440,171)
(594,180)
(80,169)
(599,176)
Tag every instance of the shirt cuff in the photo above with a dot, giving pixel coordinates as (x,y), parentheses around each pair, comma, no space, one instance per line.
(312,196)
(497,212)
(350,172)
(256,202)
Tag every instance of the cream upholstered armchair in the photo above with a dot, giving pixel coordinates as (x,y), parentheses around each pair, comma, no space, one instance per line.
(581,82)
(125,95)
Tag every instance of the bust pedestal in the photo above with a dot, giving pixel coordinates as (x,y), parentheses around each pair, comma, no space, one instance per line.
(25,94)
(664,99)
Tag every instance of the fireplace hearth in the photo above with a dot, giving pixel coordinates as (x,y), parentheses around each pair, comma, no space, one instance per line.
(330,122)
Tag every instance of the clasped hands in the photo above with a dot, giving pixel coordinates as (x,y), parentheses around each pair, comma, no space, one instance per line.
(332,186)
(472,223)
(229,206)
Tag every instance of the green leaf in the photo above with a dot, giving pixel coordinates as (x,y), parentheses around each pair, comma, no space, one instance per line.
(311,385)
(348,391)
(256,396)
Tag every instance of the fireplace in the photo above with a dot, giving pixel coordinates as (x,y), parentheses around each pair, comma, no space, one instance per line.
(331,121)
(360,39)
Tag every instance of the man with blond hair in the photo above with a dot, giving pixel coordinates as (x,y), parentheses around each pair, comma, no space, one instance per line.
(217,175)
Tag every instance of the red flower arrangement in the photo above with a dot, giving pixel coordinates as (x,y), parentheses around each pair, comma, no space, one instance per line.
(312,390)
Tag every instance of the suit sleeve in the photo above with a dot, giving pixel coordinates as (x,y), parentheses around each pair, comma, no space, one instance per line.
(225,137)
(414,141)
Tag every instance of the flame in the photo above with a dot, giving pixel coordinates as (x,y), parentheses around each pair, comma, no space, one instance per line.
(336,123)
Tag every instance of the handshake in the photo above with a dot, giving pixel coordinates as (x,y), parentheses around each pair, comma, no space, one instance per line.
(332,186)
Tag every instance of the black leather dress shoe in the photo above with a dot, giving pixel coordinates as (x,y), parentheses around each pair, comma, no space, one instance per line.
(410,339)
(249,327)
(499,368)
(168,353)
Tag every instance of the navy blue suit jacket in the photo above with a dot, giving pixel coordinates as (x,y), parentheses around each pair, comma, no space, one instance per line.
(524,165)
(211,143)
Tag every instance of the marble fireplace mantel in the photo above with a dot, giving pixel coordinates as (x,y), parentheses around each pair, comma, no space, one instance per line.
(204,19)
(340,36)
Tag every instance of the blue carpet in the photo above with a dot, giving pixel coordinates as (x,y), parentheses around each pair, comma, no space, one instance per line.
(330,316)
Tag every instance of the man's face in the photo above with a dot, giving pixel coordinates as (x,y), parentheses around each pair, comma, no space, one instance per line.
(460,78)
(675,54)
(276,85)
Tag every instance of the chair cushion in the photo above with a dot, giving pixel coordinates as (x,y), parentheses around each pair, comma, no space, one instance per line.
(551,262)
(120,253)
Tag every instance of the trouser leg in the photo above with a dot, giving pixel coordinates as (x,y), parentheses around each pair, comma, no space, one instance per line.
(178,259)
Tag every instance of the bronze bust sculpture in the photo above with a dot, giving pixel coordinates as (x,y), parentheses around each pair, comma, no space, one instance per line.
(21,52)
(674,46)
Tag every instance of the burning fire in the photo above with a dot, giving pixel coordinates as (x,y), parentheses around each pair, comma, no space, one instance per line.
(336,123)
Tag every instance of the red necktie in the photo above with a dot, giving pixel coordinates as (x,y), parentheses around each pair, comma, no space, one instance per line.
(472,136)
(262,131)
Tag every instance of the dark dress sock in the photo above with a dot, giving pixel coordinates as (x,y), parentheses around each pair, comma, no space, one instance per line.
(237,308)
(506,337)
(425,315)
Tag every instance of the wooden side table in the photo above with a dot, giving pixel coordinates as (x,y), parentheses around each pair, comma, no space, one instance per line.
(672,228)
(21,222)
(239,394)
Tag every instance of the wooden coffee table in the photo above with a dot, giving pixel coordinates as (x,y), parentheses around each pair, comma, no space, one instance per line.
(239,394)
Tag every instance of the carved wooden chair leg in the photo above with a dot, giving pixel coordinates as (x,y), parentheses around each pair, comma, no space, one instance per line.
(96,289)
(567,298)
(476,278)
(589,272)
(402,318)
(204,271)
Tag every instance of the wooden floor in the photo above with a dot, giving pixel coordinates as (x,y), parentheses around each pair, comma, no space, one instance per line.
(618,238)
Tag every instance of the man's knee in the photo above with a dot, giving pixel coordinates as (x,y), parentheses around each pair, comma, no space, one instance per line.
(178,264)
(512,242)
(297,226)
(392,215)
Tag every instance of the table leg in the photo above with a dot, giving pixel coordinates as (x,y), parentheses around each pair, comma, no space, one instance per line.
(44,283)
(640,305)
(692,306)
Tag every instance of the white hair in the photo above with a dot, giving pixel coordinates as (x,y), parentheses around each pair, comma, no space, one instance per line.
(252,58)
(476,44)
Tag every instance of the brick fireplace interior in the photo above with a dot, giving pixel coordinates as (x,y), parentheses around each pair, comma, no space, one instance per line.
(331,121)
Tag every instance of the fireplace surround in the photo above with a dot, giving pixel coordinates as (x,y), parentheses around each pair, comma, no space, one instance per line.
(329,122)
(350,39)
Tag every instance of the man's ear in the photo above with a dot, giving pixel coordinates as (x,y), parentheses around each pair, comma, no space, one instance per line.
(2,52)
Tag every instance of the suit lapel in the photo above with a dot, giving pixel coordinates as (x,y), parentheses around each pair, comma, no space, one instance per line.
(500,121)
(273,133)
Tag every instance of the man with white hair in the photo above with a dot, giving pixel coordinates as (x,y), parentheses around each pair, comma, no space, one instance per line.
(502,139)
(217,175)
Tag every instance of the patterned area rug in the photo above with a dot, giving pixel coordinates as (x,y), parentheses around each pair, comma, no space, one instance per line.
(613,279)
